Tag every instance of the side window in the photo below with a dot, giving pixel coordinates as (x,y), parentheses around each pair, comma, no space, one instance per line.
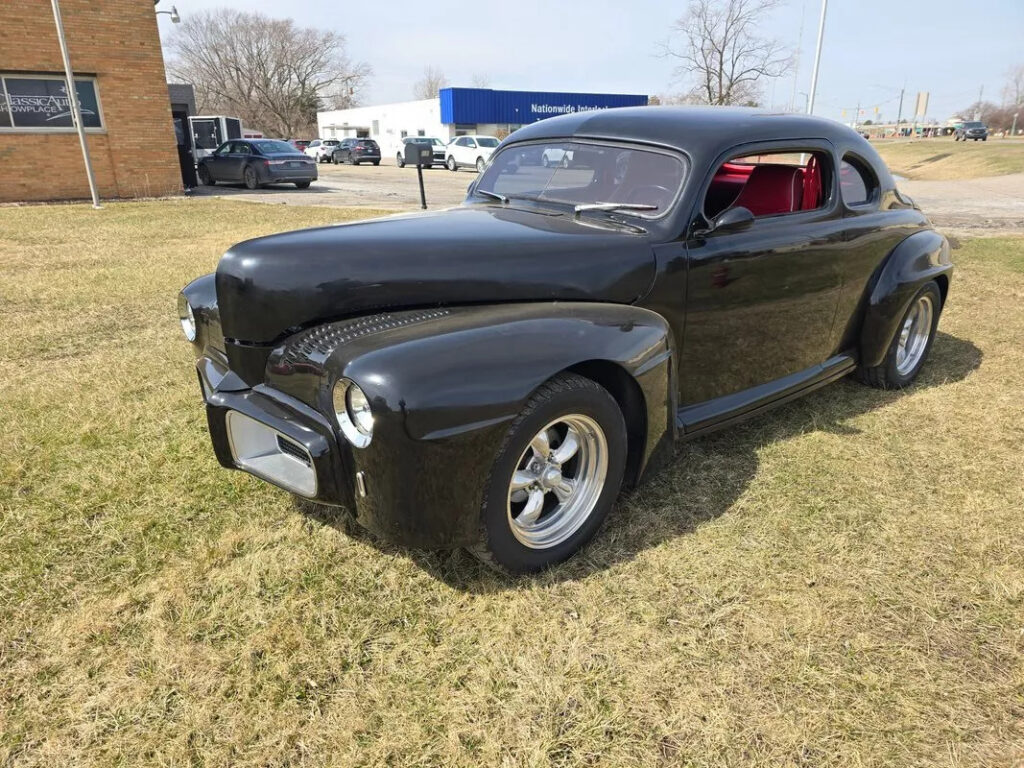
(771,184)
(471,143)
(857,182)
(314,143)
(223,149)
(242,148)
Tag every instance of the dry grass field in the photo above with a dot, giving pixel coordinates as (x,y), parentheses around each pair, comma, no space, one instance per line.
(947,160)
(840,582)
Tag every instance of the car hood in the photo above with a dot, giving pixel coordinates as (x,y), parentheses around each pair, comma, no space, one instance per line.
(273,286)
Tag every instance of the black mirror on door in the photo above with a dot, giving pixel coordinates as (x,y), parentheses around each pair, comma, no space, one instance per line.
(733,220)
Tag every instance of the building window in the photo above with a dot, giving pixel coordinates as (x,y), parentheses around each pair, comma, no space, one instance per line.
(41,103)
(404,134)
(421,132)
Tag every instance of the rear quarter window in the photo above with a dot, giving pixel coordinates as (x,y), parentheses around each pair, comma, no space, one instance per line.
(857,182)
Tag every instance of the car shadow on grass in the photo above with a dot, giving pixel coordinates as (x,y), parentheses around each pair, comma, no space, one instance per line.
(699,483)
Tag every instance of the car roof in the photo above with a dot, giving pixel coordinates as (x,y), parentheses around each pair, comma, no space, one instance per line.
(683,127)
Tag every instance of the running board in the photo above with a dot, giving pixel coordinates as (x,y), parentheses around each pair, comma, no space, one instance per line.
(701,418)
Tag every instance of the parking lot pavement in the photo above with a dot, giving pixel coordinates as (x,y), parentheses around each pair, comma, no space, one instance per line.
(988,205)
(366,186)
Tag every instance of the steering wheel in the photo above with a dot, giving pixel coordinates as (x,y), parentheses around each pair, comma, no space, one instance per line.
(664,193)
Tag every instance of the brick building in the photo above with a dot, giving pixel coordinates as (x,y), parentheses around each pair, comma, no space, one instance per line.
(119,73)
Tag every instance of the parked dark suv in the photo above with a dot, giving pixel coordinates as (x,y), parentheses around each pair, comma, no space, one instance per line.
(356,151)
(972,130)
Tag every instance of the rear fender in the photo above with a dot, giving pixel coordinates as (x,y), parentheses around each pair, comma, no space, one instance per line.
(919,258)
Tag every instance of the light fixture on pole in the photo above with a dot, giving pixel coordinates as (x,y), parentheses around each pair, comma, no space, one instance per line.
(817,57)
(173,13)
(76,112)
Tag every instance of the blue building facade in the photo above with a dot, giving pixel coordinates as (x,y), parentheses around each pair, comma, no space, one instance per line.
(479,106)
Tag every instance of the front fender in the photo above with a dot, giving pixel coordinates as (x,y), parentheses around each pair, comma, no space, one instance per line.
(921,257)
(445,383)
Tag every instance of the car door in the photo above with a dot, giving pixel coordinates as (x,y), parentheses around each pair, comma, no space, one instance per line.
(234,160)
(217,162)
(761,298)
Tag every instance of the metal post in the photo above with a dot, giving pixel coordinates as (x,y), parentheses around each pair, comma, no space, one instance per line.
(899,114)
(817,58)
(423,194)
(76,113)
(1013,128)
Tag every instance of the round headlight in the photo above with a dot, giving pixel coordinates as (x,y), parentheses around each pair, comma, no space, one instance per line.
(187,317)
(353,413)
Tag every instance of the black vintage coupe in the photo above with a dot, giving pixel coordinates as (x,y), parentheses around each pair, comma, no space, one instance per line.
(490,376)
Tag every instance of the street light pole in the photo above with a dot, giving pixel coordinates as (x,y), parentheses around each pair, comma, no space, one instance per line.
(76,112)
(817,57)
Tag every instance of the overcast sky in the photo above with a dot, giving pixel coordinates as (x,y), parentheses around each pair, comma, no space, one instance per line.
(872,47)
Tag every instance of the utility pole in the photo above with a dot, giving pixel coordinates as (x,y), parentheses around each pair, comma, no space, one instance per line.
(817,58)
(799,51)
(76,112)
(899,114)
(977,112)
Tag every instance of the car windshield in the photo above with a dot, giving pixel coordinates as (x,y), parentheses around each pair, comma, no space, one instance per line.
(974,125)
(271,147)
(580,173)
(486,141)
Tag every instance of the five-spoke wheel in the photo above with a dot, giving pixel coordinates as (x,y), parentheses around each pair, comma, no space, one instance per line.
(556,476)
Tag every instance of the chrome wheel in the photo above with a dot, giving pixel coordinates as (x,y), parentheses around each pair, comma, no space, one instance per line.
(914,335)
(557,481)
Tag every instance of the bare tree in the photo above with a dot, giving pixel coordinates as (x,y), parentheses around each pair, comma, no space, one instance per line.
(268,72)
(430,85)
(721,54)
(480,80)
(1013,92)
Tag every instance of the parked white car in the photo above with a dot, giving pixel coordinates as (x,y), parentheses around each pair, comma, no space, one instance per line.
(470,152)
(556,156)
(322,150)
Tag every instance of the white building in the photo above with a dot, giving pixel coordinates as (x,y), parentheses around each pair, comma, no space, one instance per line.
(460,111)
(388,124)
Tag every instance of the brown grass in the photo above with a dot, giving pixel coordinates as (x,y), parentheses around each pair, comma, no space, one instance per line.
(947,160)
(838,583)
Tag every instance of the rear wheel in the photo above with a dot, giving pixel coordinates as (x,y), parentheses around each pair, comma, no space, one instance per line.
(555,478)
(399,160)
(479,165)
(250,178)
(912,342)
(302,184)
(376,162)
(452,165)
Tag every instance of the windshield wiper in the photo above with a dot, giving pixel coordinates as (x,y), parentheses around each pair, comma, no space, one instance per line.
(613,207)
(492,195)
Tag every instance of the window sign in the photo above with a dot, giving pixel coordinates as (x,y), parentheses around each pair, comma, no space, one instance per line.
(43,102)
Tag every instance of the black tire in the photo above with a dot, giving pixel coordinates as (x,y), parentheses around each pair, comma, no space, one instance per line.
(334,159)
(204,177)
(250,178)
(451,164)
(559,397)
(985,139)
(480,165)
(887,375)
(565,161)
(544,161)
(302,184)
(399,160)
(376,162)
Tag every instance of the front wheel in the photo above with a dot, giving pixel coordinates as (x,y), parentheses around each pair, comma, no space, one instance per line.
(452,165)
(555,477)
(912,342)
(399,160)
(479,165)
(204,177)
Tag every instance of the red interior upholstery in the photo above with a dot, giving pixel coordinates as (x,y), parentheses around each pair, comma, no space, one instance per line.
(812,184)
(772,189)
